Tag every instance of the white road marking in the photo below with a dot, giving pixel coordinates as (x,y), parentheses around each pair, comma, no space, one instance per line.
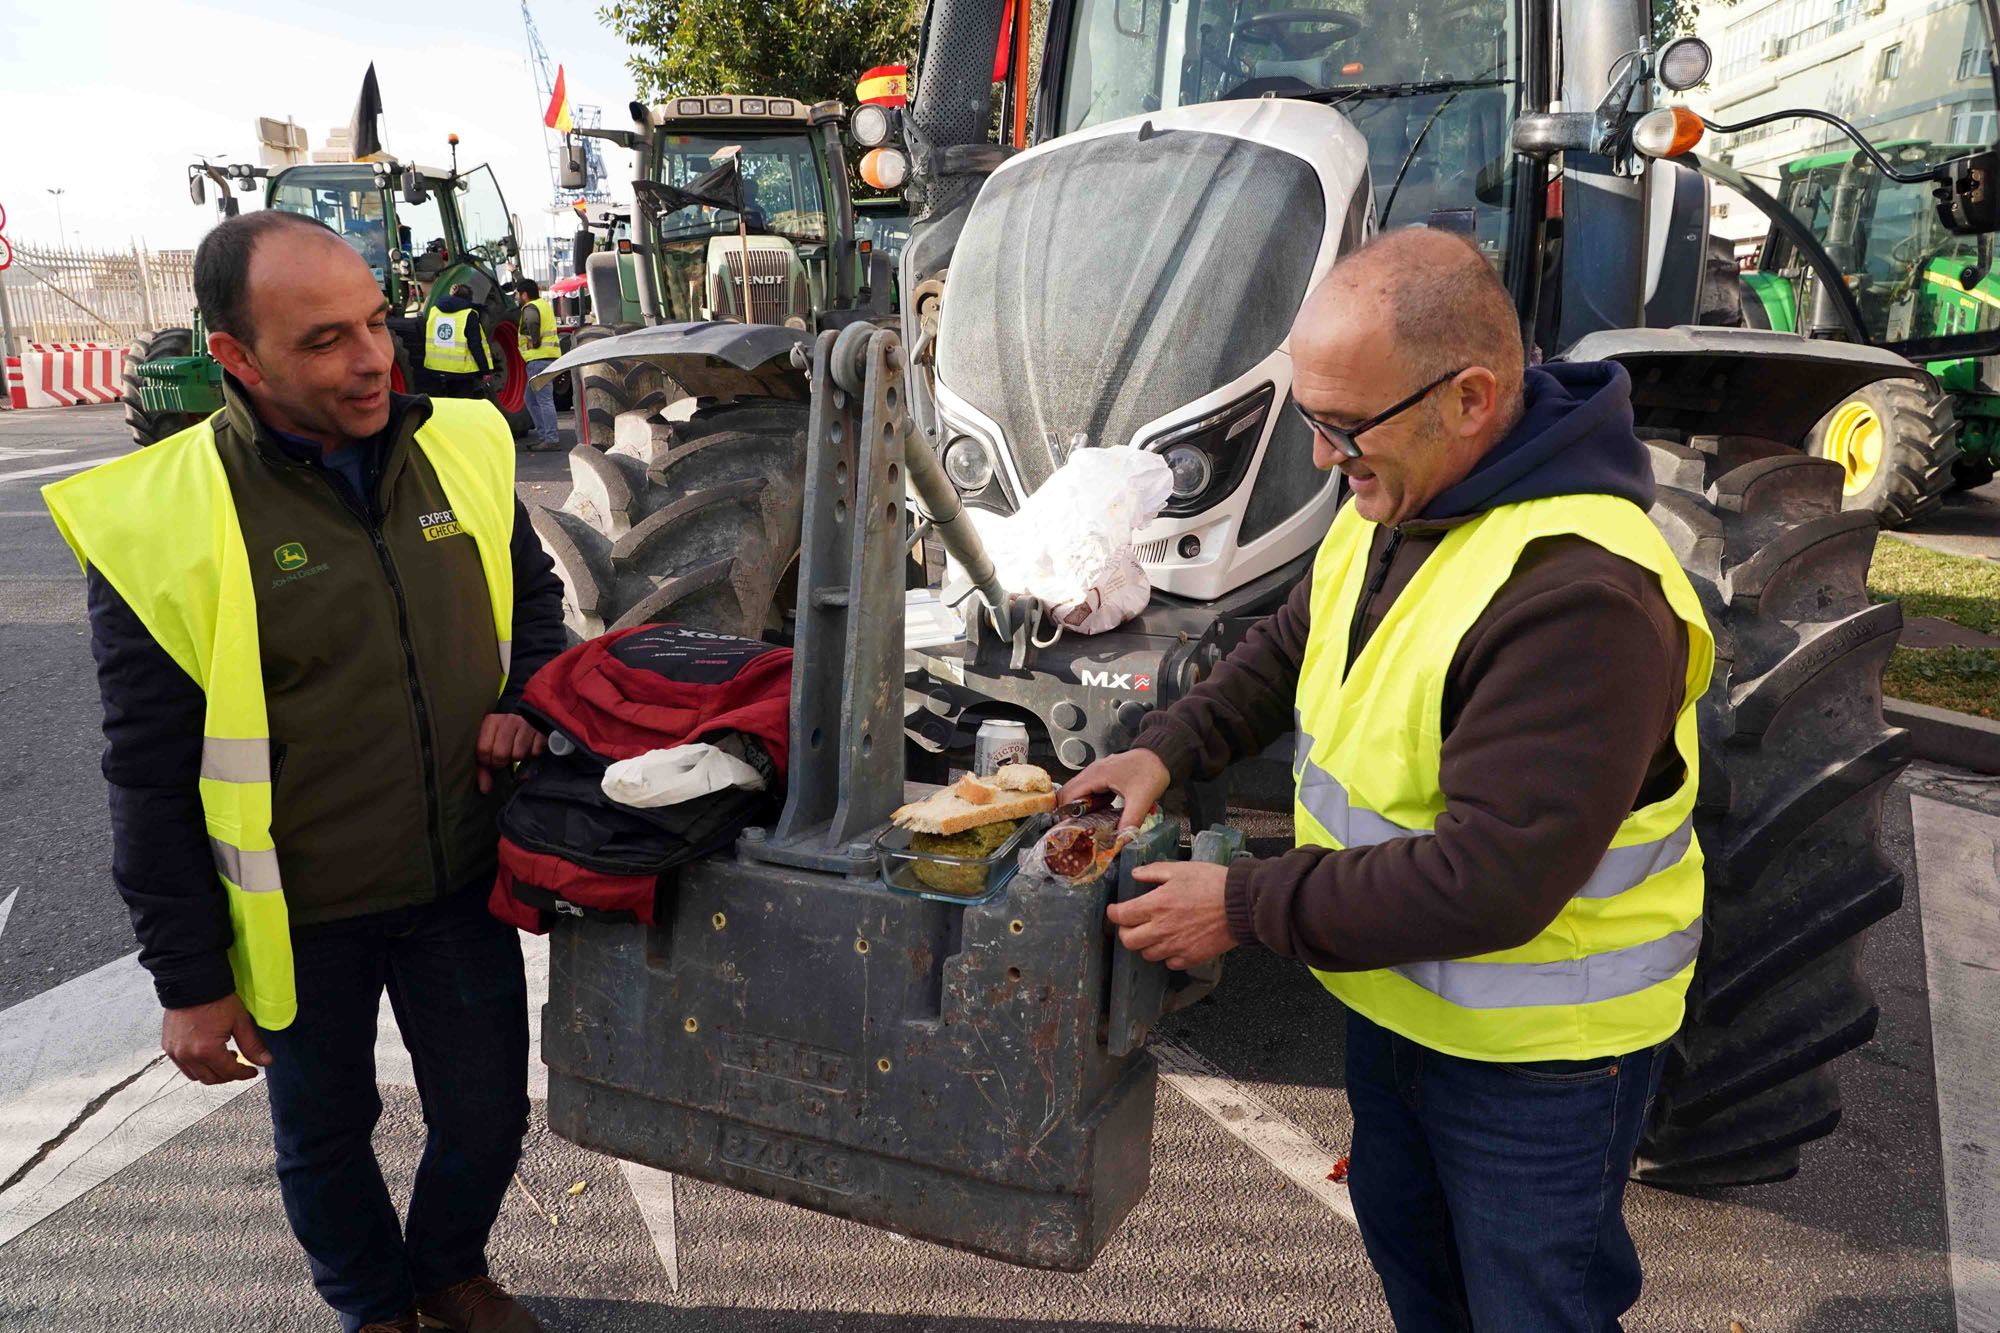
(64,1049)
(1295,1153)
(7,909)
(653,1191)
(1958,883)
(74,465)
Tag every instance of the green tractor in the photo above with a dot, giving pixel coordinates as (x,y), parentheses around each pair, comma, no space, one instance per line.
(421,229)
(1903,444)
(794,256)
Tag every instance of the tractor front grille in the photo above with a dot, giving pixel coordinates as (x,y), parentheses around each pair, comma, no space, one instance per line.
(770,297)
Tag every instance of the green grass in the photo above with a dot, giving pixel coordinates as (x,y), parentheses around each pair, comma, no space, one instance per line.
(1966,680)
(1949,587)
(1928,583)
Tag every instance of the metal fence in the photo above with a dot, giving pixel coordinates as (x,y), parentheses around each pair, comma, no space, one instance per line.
(114,296)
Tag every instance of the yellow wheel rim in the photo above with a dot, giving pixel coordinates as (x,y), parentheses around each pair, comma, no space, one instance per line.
(1854,440)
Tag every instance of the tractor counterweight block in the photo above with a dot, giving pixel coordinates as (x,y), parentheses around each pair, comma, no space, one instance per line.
(944,1071)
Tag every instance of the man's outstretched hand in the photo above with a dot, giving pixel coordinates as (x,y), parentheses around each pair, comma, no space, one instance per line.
(1182,922)
(1136,775)
(197,1040)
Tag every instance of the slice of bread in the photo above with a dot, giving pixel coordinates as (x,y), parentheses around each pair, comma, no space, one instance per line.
(975,792)
(1021,777)
(945,811)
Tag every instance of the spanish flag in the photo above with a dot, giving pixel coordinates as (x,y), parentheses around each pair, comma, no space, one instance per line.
(557,116)
(886,84)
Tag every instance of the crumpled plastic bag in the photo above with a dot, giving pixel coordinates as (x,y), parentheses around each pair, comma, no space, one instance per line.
(1071,544)
(683,773)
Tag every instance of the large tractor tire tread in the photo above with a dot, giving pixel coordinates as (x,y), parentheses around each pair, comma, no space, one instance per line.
(613,388)
(1796,757)
(693,521)
(1919,450)
(152,427)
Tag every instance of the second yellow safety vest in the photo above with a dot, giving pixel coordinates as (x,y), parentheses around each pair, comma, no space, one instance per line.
(447,345)
(178,560)
(1610,973)
(546,348)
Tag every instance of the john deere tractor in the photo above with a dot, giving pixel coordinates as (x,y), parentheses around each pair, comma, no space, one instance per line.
(422,231)
(792,256)
(1903,444)
(1121,270)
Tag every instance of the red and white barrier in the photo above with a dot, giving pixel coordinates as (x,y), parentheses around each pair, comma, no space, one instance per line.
(65,375)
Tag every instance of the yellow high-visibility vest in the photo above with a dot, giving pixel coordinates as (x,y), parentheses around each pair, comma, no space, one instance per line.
(179,562)
(1610,973)
(546,348)
(447,342)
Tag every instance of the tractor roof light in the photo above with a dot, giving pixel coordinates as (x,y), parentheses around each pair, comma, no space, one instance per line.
(1668,132)
(870,125)
(1684,62)
(885,169)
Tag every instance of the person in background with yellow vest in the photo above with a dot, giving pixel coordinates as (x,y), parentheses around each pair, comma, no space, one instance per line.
(312,616)
(539,344)
(456,354)
(1492,674)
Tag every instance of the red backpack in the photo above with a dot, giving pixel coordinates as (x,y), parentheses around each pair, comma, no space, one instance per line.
(567,848)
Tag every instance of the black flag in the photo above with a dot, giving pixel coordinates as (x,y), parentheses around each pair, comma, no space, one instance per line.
(718,187)
(364,132)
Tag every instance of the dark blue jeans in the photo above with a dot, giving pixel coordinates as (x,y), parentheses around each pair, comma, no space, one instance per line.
(455,982)
(1491,1196)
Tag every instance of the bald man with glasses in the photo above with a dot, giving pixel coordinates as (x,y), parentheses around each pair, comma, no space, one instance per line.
(1491,675)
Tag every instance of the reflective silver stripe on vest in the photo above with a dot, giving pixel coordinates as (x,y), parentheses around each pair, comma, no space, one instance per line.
(1619,869)
(252,872)
(506,655)
(1624,867)
(1601,976)
(235,760)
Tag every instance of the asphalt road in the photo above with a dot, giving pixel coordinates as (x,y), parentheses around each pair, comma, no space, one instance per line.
(191,1232)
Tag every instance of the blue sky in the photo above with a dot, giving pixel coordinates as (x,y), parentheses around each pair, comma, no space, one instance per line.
(109,100)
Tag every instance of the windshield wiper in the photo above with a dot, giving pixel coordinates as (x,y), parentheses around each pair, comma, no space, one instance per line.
(1336,97)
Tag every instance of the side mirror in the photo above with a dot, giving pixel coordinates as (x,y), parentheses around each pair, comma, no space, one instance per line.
(413,187)
(1968,194)
(575,171)
(197,187)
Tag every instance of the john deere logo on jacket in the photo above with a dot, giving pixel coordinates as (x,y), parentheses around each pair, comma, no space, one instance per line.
(289,556)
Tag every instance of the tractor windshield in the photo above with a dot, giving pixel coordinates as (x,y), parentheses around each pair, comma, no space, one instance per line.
(482,213)
(1438,150)
(349,200)
(781,185)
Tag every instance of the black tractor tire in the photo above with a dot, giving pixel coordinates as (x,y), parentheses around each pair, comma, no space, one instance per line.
(152,427)
(1972,471)
(699,526)
(1795,758)
(1919,448)
(611,388)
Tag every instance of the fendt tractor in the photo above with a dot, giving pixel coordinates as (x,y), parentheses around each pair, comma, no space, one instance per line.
(793,255)
(1904,444)
(422,230)
(1121,270)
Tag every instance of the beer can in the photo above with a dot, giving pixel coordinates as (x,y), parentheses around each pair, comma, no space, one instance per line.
(997,743)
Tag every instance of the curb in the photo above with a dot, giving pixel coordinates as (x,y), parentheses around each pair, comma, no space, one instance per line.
(1947,737)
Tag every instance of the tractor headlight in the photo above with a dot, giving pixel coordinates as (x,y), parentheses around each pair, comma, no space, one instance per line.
(870,125)
(1210,457)
(968,465)
(1193,470)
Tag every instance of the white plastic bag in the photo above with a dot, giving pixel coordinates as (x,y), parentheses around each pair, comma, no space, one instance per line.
(1071,544)
(668,777)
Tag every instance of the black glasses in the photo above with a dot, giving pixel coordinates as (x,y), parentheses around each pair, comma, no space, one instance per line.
(1342,437)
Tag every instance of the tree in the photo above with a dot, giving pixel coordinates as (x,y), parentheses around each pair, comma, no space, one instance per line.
(812,50)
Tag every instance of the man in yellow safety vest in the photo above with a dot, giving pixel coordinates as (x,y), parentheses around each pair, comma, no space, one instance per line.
(457,356)
(1492,675)
(539,344)
(313,614)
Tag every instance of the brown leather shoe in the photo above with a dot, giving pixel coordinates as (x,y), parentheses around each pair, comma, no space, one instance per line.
(476,1305)
(407,1324)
